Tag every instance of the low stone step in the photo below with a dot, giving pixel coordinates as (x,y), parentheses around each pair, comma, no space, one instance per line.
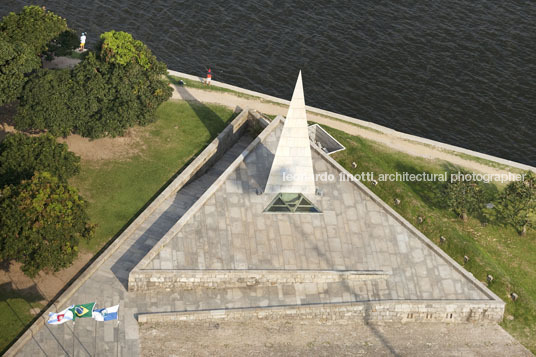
(454,311)
(144,280)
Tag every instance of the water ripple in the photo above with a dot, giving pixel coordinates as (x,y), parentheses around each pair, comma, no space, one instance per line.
(457,71)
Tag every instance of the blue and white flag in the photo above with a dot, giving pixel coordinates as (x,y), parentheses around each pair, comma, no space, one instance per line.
(57,318)
(107,314)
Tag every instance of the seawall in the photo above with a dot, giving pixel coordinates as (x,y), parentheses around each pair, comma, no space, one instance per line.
(366,124)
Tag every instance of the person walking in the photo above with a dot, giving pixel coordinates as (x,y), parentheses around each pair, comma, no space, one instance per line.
(82,41)
(209,77)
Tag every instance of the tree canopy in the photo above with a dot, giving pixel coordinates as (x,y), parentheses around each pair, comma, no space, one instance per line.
(121,48)
(16,60)
(34,26)
(21,156)
(23,37)
(99,97)
(42,223)
(46,103)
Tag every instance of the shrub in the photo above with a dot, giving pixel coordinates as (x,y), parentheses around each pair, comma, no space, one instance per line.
(463,196)
(42,223)
(516,205)
(21,156)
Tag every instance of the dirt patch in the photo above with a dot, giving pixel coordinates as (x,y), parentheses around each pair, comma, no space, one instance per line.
(34,310)
(320,338)
(45,285)
(98,149)
(106,148)
(7,112)
(60,62)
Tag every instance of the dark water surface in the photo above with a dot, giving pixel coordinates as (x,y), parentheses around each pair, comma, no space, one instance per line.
(462,72)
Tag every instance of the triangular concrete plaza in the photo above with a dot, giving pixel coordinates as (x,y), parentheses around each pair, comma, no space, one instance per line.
(208,248)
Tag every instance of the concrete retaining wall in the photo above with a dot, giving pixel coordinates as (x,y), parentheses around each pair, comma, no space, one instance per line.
(382,311)
(225,140)
(143,280)
(322,139)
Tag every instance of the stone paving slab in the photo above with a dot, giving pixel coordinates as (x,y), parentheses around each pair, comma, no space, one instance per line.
(107,286)
(353,232)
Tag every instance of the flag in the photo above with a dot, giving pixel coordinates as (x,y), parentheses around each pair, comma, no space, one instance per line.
(57,318)
(107,314)
(84,310)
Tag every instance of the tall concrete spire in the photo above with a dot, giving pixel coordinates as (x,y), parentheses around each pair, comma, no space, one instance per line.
(292,168)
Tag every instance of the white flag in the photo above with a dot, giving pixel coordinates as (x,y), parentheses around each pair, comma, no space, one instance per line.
(107,314)
(57,318)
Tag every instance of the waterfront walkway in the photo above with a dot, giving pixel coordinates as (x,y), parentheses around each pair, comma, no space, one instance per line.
(401,142)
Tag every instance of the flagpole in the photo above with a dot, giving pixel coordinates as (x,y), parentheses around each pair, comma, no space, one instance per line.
(95,338)
(118,332)
(95,329)
(74,323)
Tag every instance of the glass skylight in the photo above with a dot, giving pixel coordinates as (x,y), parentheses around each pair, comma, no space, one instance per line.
(291,203)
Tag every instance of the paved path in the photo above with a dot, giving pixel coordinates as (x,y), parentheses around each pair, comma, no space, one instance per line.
(409,147)
(107,286)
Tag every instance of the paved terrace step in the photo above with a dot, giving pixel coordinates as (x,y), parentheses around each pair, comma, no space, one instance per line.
(238,278)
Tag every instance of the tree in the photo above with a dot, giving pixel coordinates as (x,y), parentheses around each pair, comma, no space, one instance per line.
(16,59)
(134,81)
(21,156)
(46,103)
(101,96)
(463,196)
(42,223)
(23,37)
(121,48)
(64,43)
(516,205)
(34,26)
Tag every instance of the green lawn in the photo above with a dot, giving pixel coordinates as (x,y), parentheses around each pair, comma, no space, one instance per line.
(15,313)
(494,250)
(118,189)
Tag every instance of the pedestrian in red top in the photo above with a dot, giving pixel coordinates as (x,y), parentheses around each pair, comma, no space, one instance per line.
(209,77)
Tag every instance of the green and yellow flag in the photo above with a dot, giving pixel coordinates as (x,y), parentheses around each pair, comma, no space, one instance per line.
(84,310)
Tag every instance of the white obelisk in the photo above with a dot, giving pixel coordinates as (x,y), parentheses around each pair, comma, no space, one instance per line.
(292,168)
